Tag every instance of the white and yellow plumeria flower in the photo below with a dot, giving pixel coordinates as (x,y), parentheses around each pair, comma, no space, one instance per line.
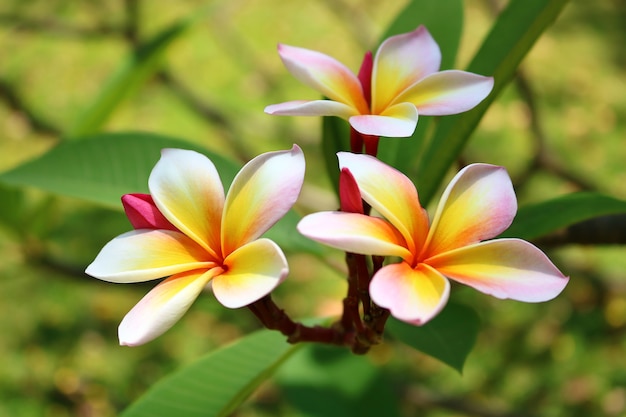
(189,231)
(478,204)
(386,97)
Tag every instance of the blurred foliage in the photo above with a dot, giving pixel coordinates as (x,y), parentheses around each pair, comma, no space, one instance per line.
(560,127)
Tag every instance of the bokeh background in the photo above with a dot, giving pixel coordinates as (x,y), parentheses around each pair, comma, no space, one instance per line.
(558,128)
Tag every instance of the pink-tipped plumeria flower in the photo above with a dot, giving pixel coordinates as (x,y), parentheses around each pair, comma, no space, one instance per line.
(478,204)
(188,230)
(386,97)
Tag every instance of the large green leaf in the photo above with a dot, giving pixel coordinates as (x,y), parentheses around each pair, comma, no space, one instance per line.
(218,383)
(513,34)
(103,167)
(132,73)
(449,337)
(536,220)
(327,381)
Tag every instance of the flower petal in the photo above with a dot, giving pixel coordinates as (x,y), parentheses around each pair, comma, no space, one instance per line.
(144,255)
(187,189)
(504,268)
(397,121)
(414,295)
(400,62)
(324,74)
(447,92)
(391,193)
(261,193)
(356,233)
(311,108)
(252,272)
(162,307)
(478,204)
(143,213)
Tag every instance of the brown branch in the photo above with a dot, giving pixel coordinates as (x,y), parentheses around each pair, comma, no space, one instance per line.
(275,318)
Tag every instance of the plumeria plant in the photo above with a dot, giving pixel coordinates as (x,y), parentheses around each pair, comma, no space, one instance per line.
(188,231)
(201,224)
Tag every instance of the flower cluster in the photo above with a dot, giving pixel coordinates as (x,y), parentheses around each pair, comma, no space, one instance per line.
(197,237)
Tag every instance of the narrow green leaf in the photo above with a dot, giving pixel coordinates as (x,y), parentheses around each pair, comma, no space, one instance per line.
(327,381)
(513,34)
(101,168)
(449,337)
(133,72)
(218,383)
(11,209)
(335,138)
(536,220)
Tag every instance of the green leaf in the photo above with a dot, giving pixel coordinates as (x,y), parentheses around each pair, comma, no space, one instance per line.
(512,36)
(335,138)
(536,220)
(133,72)
(11,209)
(218,383)
(328,381)
(101,168)
(449,337)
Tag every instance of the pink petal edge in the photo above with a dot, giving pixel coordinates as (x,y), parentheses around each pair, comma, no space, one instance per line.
(413,295)
(503,268)
(162,307)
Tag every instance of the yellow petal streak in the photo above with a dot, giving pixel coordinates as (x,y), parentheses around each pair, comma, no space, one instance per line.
(163,306)
(414,295)
(262,192)
(143,255)
(390,193)
(251,272)
(187,189)
(478,204)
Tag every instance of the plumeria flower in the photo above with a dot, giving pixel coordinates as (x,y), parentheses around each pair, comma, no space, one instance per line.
(387,95)
(187,230)
(478,204)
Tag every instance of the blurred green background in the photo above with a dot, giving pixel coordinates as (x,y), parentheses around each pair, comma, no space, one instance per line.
(560,127)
